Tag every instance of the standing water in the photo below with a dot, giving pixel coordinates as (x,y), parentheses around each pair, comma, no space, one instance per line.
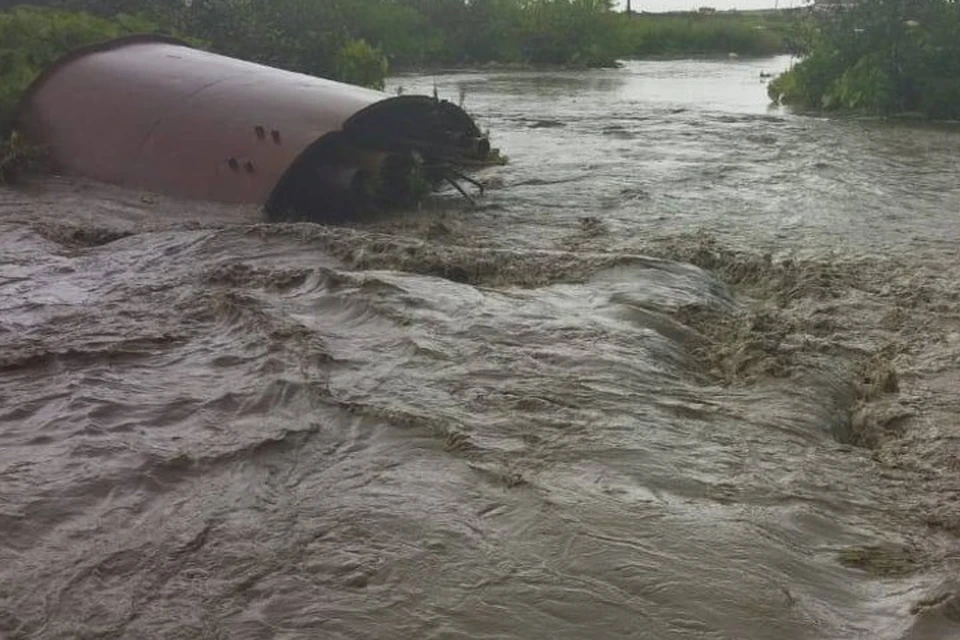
(689,370)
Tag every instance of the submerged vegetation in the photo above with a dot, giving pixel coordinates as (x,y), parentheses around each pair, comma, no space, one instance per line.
(880,57)
(16,157)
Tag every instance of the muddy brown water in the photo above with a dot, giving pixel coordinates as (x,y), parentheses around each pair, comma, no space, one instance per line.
(690,370)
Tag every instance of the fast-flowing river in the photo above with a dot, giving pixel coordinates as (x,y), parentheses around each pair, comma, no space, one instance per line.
(690,369)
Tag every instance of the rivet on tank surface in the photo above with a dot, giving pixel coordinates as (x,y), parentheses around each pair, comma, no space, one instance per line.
(233,163)
(248,166)
(261,132)
(275,134)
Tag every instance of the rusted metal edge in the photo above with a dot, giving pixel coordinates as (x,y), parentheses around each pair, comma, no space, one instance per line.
(460,116)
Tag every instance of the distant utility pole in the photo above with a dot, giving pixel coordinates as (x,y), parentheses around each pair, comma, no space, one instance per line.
(629,8)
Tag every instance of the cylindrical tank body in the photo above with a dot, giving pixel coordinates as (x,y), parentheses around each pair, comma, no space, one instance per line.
(152,113)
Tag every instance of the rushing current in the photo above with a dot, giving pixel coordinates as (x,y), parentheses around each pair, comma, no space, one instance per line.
(690,369)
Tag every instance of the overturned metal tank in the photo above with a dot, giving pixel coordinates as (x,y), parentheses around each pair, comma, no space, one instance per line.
(153,113)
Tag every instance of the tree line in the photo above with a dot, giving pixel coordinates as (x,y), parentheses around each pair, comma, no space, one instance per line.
(314,35)
(877,56)
(359,41)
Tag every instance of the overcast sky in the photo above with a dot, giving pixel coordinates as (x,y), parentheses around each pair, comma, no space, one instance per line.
(685,5)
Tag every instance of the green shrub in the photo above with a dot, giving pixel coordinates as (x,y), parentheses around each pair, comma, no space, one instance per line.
(881,57)
(359,63)
(866,86)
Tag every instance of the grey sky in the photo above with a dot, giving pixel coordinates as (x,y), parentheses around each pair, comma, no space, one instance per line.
(720,5)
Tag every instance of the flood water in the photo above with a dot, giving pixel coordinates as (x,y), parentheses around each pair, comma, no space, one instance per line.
(690,369)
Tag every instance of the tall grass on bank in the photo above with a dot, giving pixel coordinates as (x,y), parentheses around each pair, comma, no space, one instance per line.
(691,34)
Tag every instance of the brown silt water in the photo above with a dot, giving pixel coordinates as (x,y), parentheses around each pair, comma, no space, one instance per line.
(690,369)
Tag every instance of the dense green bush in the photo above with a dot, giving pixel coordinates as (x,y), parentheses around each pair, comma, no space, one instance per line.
(881,57)
(363,64)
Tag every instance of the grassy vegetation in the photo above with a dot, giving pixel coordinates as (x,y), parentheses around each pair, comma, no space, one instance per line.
(881,57)
(752,33)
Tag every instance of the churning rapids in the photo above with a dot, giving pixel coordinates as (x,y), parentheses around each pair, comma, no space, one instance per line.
(690,370)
